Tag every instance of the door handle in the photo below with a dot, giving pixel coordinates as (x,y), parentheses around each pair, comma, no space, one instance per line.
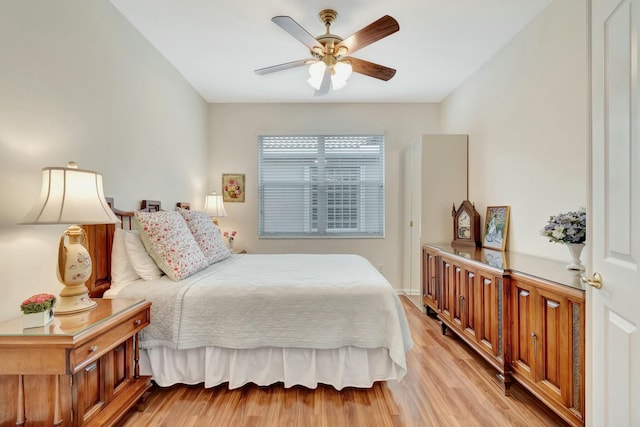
(535,343)
(595,280)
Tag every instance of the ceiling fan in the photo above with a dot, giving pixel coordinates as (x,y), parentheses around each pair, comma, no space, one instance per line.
(331,63)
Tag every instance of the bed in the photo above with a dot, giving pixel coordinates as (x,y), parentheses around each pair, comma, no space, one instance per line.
(296,319)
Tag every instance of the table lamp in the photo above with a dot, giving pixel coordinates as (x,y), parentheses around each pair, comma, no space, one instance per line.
(214,207)
(72,196)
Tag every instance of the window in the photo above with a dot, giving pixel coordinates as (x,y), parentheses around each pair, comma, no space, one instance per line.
(321,186)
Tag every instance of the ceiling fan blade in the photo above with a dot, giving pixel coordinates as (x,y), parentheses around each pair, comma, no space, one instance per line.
(369,34)
(326,83)
(293,28)
(370,69)
(281,67)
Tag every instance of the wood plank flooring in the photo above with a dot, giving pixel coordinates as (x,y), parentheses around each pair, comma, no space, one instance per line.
(447,384)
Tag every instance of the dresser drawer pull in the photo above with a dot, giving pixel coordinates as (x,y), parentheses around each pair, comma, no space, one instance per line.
(93,348)
(137,322)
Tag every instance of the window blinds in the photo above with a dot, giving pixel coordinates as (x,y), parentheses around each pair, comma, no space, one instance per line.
(321,186)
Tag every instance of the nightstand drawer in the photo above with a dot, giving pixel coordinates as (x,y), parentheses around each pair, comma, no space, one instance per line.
(100,345)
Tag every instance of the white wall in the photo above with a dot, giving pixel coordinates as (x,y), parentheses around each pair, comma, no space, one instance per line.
(78,82)
(525,112)
(233,137)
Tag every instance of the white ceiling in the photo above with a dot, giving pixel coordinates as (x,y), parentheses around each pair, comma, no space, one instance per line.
(216,45)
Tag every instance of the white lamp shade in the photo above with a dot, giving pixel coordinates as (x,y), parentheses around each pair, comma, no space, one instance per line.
(71,196)
(214,206)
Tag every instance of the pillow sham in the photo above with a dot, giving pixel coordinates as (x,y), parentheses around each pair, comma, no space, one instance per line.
(170,243)
(206,234)
(121,269)
(141,261)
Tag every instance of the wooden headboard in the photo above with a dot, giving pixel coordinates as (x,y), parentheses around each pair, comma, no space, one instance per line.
(100,241)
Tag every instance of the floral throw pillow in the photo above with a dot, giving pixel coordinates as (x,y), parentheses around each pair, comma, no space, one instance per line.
(207,235)
(170,243)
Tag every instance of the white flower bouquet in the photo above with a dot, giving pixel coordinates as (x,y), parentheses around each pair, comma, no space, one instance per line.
(570,227)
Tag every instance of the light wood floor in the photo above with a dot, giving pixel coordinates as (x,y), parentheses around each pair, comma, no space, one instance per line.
(447,384)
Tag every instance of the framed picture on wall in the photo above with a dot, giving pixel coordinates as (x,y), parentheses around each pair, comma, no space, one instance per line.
(496,226)
(233,187)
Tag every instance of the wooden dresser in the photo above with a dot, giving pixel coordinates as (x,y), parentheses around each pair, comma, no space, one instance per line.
(80,369)
(523,314)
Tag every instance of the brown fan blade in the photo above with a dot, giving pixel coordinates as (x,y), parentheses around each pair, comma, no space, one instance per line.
(284,66)
(369,34)
(370,69)
(326,83)
(293,28)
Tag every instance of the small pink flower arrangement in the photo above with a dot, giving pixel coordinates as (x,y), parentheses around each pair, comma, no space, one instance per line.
(230,235)
(38,303)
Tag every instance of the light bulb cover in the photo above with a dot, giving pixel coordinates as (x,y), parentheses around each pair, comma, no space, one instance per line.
(316,73)
(341,71)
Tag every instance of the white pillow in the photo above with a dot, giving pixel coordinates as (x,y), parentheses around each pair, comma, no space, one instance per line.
(140,259)
(170,243)
(121,269)
(206,234)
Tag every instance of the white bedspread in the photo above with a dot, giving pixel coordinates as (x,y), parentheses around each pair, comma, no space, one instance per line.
(300,301)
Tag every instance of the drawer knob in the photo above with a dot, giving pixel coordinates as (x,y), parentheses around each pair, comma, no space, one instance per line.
(93,348)
(137,322)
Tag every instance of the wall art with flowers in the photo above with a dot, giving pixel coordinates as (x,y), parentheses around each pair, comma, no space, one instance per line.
(233,187)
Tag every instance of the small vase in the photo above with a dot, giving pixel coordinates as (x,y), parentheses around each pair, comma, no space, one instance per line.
(231,244)
(35,320)
(575,249)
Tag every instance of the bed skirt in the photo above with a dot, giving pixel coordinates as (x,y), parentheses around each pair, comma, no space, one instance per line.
(343,367)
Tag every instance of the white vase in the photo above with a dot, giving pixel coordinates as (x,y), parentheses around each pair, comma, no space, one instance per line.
(575,249)
(35,320)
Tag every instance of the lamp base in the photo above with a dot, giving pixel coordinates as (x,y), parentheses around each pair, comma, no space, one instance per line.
(74,269)
(73,304)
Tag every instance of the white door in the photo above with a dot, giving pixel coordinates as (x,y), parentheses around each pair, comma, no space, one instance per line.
(613,367)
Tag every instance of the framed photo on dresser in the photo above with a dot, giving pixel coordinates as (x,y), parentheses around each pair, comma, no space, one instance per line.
(496,226)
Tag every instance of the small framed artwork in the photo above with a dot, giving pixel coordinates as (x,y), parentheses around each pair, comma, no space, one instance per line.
(496,226)
(233,187)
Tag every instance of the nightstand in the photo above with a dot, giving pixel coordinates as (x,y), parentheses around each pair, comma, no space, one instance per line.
(80,369)
(239,251)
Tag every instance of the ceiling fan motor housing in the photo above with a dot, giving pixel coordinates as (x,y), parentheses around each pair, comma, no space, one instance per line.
(327,39)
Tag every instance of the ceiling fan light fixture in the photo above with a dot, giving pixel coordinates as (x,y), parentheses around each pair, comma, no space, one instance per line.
(330,50)
(340,73)
(316,73)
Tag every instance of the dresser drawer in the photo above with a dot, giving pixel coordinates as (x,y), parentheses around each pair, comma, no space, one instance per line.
(96,347)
